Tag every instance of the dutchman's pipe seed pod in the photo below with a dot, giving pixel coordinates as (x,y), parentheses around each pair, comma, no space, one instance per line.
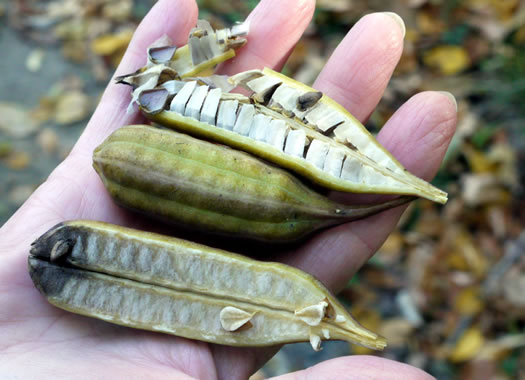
(214,188)
(289,124)
(153,282)
(206,48)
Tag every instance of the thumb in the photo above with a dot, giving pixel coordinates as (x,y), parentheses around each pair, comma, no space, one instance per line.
(359,367)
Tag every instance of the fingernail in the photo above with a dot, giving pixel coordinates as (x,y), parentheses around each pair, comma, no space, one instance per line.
(399,21)
(451,97)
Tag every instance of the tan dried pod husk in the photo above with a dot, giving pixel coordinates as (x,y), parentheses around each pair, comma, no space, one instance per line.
(206,48)
(158,283)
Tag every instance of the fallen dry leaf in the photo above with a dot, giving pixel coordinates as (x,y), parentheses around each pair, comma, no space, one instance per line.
(48,140)
(34,60)
(468,346)
(72,106)
(111,43)
(18,160)
(447,59)
(397,331)
(16,120)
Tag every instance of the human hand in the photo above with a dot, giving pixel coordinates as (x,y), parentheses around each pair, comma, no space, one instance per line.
(41,341)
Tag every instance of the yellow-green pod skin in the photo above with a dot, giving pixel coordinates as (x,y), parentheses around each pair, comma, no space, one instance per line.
(210,187)
(158,283)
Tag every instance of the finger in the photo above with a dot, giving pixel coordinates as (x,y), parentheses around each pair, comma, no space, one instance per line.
(174,18)
(73,189)
(358,71)
(418,134)
(275,28)
(361,367)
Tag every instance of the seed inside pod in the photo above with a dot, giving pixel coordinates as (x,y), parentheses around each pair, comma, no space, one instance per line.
(308,100)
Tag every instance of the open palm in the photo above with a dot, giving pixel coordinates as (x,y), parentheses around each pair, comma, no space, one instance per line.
(40,341)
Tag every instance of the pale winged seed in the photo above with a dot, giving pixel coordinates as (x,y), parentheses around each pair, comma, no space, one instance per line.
(240,30)
(140,78)
(173,86)
(259,126)
(205,26)
(244,120)
(339,318)
(277,133)
(317,152)
(153,101)
(197,54)
(324,117)
(193,108)
(334,161)
(232,318)
(161,54)
(60,248)
(308,100)
(287,97)
(343,132)
(178,104)
(315,341)
(150,84)
(227,114)
(326,333)
(352,170)
(295,143)
(206,44)
(312,315)
(217,81)
(210,107)
(263,88)
(245,76)
(222,36)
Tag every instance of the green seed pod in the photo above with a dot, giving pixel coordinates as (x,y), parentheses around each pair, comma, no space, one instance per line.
(210,187)
(154,282)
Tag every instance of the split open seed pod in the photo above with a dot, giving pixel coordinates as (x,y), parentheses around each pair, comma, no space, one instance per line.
(154,282)
(289,124)
(205,49)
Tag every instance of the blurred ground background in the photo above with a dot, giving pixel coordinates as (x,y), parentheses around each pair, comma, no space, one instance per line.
(447,288)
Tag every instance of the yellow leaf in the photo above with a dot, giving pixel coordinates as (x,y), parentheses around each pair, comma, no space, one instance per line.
(72,106)
(468,345)
(369,319)
(18,160)
(468,301)
(397,331)
(479,162)
(470,251)
(110,43)
(447,59)
(505,8)
(519,36)
(428,23)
